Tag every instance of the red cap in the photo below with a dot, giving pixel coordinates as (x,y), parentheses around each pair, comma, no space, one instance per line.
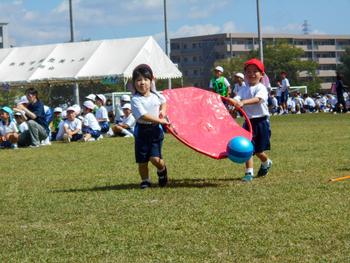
(257,63)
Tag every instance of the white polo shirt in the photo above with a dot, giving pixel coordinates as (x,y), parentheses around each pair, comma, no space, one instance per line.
(249,92)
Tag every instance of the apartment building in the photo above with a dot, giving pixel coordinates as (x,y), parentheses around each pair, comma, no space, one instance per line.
(196,55)
(4,43)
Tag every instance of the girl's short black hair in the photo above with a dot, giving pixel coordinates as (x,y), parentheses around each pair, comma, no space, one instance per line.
(142,70)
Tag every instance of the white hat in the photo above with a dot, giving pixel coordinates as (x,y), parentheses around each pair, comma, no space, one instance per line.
(64,114)
(101,97)
(71,108)
(91,97)
(23,100)
(239,75)
(77,108)
(89,104)
(21,113)
(125,97)
(57,109)
(219,68)
(126,106)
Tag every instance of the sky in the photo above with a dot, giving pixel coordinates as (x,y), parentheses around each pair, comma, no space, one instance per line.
(38,22)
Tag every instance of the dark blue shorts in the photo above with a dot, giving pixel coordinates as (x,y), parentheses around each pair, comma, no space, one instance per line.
(261,133)
(284,97)
(104,126)
(148,142)
(94,133)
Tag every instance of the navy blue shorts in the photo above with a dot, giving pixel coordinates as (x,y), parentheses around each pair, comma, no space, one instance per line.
(148,142)
(261,133)
(104,126)
(94,133)
(284,97)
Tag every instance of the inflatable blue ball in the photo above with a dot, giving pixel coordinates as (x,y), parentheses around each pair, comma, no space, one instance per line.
(239,149)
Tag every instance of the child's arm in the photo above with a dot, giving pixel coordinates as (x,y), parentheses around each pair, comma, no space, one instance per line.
(150,118)
(162,111)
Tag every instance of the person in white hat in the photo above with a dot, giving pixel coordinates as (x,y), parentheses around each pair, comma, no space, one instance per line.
(219,84)
(91,97)
(70,130)
(126,126)
(91,129)
(102,113)
(239,83)
(119,111)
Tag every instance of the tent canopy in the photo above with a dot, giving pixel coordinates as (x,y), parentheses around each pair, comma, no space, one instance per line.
(84,61)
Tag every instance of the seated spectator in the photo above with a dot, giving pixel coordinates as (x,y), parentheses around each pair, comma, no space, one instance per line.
(35,113)
(109,107)
(126,126)
(57,118)
(299,103)
(273,106)
(91,129)
(291,107)
(309,103)
(331,103)
(70,130)
(101,113)
(24,139)
(119,112)
(8,129)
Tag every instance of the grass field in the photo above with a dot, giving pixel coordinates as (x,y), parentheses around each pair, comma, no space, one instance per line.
(81,202)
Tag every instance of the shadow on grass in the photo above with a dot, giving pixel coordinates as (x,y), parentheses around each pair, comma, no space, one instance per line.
(173,183)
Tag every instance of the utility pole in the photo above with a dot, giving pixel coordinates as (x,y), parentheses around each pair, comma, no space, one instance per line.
(167,50)
(259,32)
(71,21)
(76,85)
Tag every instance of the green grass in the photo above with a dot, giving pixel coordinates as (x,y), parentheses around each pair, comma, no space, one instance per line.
(81,202)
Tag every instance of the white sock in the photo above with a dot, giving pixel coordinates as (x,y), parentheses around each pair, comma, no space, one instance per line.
(249,170)
(147,180)
(266,164)
(161,170)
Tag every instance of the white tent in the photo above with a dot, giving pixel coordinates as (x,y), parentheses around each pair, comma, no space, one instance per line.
(71,62)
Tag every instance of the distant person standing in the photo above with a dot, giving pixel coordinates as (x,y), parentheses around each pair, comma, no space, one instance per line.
(219,83)
(285,91)
(238,84)
(340,89)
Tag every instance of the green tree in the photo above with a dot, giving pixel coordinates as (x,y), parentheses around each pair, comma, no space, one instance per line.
(280,57)
(344,68)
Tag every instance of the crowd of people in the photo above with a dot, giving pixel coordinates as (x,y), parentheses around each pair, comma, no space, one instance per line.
(32,124)
(281,99)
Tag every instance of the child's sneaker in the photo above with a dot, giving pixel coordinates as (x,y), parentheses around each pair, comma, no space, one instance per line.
(66,138)
(263,171)
(162,177)
(145,184)
(248,177)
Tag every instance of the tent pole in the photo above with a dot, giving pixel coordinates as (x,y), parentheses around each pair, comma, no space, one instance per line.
(76,93)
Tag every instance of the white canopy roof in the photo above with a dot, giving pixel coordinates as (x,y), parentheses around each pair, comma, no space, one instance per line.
(84,60)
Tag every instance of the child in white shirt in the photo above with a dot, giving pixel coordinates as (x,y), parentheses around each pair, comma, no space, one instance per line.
(91,129)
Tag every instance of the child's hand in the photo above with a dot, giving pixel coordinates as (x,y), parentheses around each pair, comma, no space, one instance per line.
(234,102)
(164,121)
(162,114)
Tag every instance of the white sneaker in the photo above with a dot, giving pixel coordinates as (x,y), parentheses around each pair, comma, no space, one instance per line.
(99,138)
(45,142)
(66,138)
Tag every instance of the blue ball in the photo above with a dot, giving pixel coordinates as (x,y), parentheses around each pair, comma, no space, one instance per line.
(239,149)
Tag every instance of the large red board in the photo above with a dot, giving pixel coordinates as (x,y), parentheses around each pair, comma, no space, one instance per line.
(199,119)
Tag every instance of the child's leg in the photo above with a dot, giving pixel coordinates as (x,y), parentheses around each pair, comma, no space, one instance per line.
(266,164)
(161,170)
(158,162)
(262,156)
(143,171)
(249,170)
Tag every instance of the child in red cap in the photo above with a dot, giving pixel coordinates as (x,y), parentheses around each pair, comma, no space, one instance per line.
(253,98)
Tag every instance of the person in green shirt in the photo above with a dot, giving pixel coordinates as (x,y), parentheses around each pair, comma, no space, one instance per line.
(219,83)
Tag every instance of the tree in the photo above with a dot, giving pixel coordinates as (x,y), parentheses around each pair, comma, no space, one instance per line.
(280,57)
(344,68)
